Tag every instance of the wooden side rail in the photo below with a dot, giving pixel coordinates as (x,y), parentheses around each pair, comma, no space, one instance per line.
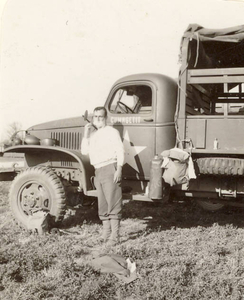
(209,76)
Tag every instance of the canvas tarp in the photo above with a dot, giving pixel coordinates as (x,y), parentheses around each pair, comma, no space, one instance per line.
(232,34)
(214,48)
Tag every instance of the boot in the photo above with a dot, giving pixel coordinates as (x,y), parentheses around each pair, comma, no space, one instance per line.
(106,230)
(114,238)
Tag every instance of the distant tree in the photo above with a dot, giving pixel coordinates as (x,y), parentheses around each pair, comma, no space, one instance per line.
(12,128)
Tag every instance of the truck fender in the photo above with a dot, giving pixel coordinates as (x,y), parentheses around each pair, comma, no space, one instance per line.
(57,157)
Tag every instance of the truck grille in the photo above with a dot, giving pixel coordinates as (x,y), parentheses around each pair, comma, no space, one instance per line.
(69,140)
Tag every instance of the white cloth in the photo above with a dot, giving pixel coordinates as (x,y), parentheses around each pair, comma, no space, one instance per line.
(191,170)
(178,166)
(104,147)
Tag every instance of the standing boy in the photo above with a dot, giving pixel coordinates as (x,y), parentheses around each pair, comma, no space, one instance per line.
(106,153)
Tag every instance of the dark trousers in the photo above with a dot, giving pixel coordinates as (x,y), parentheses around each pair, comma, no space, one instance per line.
(109,193)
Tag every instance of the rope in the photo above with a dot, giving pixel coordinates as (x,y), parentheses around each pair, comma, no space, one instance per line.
(178,139)
(197,56)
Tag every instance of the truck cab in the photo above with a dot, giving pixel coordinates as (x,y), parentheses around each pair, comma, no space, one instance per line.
(141,107)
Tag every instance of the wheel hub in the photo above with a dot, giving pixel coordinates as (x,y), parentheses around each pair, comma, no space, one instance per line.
(33,197)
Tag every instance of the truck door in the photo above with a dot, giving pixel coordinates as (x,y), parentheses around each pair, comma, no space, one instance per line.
(131,110)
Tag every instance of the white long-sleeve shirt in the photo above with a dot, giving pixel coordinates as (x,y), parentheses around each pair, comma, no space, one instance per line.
(104,147)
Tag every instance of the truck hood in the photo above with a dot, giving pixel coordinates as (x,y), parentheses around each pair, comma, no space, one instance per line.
(61,123)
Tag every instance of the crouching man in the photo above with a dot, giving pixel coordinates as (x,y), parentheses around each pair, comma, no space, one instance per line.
(106,153)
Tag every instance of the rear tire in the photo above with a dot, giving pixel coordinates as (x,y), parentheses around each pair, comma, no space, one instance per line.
(37,188)
(210,205)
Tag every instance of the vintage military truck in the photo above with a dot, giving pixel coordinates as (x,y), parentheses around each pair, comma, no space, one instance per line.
(201,114)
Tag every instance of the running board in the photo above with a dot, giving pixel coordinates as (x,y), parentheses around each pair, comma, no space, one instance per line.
(127,196)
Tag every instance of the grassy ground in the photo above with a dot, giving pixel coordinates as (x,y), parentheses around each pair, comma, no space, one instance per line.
(180,251)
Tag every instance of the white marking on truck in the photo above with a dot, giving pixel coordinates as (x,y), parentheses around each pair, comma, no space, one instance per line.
(131,151)
(126,120)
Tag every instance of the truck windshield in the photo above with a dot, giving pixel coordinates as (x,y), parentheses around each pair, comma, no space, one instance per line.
(132,99)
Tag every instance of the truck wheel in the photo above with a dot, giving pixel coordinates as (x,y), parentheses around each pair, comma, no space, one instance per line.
(210,205)
(37,188)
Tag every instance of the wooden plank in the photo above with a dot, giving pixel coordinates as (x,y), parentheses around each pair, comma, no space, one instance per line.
(237,95)
(206,107)
(220,71)
(199,103)
(192,102)
(215,79)
(229,100)
(199,91)
(191,111)
(202,90)
(188,102)
(206,99)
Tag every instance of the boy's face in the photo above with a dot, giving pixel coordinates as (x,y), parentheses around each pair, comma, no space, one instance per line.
(98,118)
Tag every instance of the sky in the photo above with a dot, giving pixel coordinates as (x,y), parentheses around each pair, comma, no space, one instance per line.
(61,57)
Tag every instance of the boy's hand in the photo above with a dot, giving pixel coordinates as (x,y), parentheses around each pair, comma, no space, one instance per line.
(87,130)
(118,175)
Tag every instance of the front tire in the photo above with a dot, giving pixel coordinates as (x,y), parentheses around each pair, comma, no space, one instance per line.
(34,189)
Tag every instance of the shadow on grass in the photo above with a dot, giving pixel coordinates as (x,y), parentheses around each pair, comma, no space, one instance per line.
(79,215)
(159,217)
(184,214)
